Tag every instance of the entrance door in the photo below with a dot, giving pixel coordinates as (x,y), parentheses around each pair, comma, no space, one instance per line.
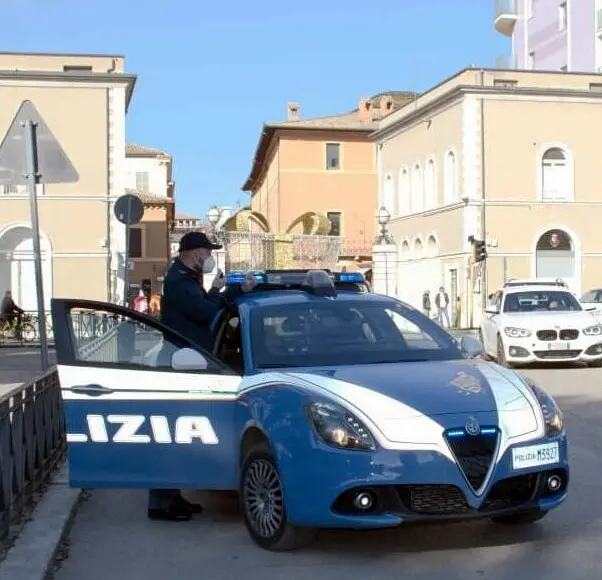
(144,407)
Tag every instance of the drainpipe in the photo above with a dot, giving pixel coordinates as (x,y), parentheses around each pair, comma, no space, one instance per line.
(483,211)
(109,256)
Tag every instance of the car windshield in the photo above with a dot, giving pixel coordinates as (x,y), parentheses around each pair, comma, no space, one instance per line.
(332,333)
(539,300)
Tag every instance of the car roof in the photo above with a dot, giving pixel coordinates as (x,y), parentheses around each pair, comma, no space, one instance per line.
(277,297)
(535,288)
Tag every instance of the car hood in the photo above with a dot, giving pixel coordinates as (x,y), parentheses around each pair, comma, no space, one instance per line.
(537,320)
(414,402)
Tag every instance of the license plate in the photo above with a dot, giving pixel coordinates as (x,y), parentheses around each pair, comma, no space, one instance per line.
(559,346)
(534,455)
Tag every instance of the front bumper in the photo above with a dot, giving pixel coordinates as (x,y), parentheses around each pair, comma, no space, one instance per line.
(409,486)
(530,350)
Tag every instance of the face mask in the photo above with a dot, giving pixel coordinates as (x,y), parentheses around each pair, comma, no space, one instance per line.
(208,265)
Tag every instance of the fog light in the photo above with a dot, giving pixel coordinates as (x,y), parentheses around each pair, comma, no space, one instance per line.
(363,500)
(554,482)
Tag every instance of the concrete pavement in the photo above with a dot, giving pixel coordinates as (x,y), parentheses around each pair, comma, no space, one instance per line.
(111,537)
(19,365)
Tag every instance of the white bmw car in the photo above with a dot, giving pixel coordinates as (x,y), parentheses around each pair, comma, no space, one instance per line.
(527,324)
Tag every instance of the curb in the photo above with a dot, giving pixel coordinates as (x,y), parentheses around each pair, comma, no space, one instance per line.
(33,552)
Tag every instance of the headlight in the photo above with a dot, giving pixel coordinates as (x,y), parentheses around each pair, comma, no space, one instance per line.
(339,428)
(517,332)
(552,414)
(595,330)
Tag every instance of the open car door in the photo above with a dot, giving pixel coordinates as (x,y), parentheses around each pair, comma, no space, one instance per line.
(144,407)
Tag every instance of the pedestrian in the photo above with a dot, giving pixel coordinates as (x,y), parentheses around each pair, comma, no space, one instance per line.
(442,303)
(426,303)
(141,303)
(189,309)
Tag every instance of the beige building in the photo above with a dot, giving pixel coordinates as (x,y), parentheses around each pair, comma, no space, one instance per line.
(83,99)
(324,165)
(149,175)
(507,155)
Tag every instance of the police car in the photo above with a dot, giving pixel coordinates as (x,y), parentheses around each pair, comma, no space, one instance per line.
(322,407)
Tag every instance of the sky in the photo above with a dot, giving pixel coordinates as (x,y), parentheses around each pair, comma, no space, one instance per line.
(211,73)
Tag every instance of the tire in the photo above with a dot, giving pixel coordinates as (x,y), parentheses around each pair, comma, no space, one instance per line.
(521,518)
(595,364)
(268,525)
(28,332)
(501,356)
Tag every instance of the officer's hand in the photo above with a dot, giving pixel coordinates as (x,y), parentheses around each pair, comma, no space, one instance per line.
(249,283)
(219,281)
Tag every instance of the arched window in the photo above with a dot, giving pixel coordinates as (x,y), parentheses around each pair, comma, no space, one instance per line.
(405,250)
(432,247)
(430,187)
(417,189)
(556,175)
(418,248)
(403,196)
(450,186)
(555,255)
(389,194)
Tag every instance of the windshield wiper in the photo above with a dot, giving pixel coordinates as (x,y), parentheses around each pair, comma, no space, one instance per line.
(278,366)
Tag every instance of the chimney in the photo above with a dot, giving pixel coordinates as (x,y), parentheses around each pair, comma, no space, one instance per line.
(364,112)
(385,105)
(292,111)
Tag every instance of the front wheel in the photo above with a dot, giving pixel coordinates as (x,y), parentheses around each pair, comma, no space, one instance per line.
(485,354)
(595,364)
(262,502)
(522,518)
(501,355)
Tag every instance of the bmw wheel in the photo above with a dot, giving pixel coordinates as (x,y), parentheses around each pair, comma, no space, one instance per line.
(501,355)
(521,518)
(263,506)
(485,355)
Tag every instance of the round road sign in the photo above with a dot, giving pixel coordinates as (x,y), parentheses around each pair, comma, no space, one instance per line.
(129,209)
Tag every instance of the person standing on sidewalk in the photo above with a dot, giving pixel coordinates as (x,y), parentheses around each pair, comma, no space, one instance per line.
(426,303)
(442,303)
(189,309)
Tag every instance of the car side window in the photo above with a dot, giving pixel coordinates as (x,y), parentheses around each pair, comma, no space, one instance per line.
(103,337)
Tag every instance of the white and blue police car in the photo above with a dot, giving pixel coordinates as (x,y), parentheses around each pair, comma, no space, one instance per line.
(324,407)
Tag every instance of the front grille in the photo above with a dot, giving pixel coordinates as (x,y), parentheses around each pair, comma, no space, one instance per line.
(547,335)
(547,354)
(569,334)
(473,453)
(433,499)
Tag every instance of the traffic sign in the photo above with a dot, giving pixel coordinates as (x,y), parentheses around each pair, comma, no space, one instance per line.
(129,209)
(53,165)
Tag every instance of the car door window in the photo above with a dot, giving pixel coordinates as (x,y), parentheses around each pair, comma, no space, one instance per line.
(229,344)
(106,337)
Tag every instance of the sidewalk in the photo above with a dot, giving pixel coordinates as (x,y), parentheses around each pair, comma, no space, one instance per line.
(18,365)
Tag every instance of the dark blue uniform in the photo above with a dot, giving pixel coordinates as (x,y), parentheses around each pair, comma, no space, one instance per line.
(187,308)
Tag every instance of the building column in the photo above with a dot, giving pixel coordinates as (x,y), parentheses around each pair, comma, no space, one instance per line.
(384,269)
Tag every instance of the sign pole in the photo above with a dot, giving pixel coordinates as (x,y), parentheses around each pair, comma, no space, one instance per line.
(126,271)
(32,181)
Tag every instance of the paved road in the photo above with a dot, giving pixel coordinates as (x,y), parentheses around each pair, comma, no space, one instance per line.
(111,537)
(19,365)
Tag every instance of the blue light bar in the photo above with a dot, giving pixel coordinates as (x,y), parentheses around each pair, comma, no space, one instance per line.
(356,277)
(239,278)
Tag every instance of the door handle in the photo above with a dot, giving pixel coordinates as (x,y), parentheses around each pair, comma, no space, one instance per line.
(91,390)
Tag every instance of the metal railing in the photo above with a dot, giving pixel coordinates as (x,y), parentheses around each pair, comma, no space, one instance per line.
(32,444)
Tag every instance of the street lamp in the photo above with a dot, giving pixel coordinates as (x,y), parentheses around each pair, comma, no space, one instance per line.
(213,216)
(383,219)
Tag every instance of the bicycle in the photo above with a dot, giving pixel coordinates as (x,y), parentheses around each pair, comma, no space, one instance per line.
(23,332)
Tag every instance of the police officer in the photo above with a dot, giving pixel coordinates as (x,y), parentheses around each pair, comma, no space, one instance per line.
(189,309)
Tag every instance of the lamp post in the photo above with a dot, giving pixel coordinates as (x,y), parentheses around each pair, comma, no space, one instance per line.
(383,219)
(384,238)
(213,216)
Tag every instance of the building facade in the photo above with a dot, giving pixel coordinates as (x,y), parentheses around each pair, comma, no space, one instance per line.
(149,175)
(83,99)
(325,165)
(564,35)
(505,156)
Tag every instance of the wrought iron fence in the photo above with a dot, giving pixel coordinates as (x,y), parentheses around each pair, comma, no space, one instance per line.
(32,444)
(85,326)
(258,250)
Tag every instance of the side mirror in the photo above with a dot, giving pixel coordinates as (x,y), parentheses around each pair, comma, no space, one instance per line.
(187,359)
(491,310)
(471,346)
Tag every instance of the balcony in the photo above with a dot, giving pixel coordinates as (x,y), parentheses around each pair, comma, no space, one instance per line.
(507,62)
(506,15)
(599,22)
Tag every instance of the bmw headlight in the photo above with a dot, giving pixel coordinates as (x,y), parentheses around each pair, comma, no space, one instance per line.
(339,428)
(595,330)
(552,414)
(517,332)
